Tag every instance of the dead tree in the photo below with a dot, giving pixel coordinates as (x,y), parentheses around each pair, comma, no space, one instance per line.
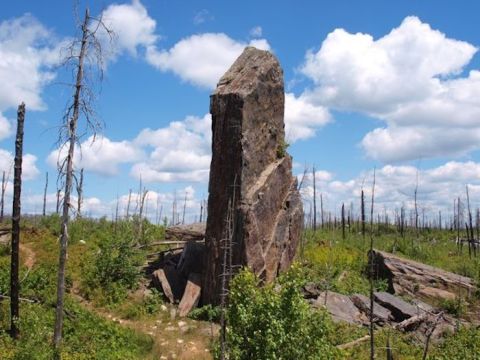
(321,210)
(80,194)
(44,212)
(372,274)
(470,237)
(227,270)
(17,189)
(4,188)
(127,214)
(343,221)
(184,208)
(362,209)
(416,208)
(85,58)
(314,200)
(59,193)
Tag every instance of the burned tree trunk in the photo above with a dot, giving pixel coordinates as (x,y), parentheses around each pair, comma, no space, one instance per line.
(314,200)
(44,212)
(80,195)
(2,204)
(85,54)
(17,189)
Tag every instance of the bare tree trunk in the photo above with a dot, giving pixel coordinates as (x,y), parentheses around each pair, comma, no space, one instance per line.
(471,245)
(80,195)
(127,215)
(372,342)
(59,192)
(184,208)
(314,200)
(460,244)
(44,212)
(72,130)
(17,189)
(416,208)
(321,209)
(2,204)
(362,207)
(343,221)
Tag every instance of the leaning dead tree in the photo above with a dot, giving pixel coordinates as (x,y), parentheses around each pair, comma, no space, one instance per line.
(80,194)
(84,56)
(17,189)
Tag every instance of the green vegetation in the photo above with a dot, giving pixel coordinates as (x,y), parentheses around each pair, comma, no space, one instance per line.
(275,323)
(111,315)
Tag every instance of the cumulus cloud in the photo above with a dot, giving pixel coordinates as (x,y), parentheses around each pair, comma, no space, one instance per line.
(5,127)
(29,167)
(410,78)
(201,59)
(395,186)
(179,152)
(302,118)
(133,28)
(28,51)
(102,155)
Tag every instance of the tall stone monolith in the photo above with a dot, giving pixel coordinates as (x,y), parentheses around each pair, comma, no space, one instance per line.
(249,160)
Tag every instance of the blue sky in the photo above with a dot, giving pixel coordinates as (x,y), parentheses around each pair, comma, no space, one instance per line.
(396,89)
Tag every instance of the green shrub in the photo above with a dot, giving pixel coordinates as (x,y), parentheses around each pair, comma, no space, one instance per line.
(464,345)
(113,270)
(206,313)
(275,322)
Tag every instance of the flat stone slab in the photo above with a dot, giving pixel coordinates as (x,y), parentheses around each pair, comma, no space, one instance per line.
(380,313)
(191,296)
(340,307)
(400,309)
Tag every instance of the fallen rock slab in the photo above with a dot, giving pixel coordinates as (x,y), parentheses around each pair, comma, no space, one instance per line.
(170,281)
(405,276)
(191,295)
(341,308)
(400,309)
(380,313)
(189,232)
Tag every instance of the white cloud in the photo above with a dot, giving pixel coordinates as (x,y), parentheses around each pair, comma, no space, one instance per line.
(202,16)
(302,118)
(256,31)
(395,186)
(201,59)
(29,167)
(28,51)
(133,28)
(5,127)
(102,156)
(179,152)
(411,79)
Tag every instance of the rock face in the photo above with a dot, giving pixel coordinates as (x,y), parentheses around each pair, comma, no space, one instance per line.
(341,307)
(190,232)
(408,277)
(249,160)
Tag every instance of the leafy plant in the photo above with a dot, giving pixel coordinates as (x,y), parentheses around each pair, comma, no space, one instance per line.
(274,321)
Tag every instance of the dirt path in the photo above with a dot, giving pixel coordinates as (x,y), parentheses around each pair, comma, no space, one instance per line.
(28,255)
(174,338)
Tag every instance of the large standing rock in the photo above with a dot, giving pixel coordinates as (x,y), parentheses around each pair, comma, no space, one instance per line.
(248,151)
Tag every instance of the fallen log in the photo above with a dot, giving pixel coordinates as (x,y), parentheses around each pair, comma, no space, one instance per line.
(354,343)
